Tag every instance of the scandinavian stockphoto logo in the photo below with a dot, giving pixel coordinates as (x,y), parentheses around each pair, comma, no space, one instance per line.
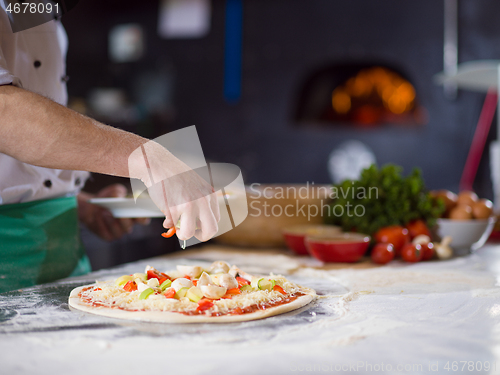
(308,200)
(183,148)
(31,13)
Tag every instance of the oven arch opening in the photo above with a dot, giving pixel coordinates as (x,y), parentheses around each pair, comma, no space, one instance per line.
(360,95)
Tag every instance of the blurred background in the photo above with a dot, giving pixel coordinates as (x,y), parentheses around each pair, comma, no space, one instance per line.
(280,87)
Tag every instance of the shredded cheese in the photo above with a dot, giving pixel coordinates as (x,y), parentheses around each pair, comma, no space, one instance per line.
(107,294)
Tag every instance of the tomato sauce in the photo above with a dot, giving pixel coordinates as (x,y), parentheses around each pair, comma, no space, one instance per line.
(248,309)
(237,311)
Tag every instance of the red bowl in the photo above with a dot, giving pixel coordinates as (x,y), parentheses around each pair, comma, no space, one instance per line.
(295,236)
(344,247)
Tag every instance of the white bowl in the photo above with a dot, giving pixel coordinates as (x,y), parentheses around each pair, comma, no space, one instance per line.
(467,235)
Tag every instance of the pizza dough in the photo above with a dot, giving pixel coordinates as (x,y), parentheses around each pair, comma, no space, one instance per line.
(110,300)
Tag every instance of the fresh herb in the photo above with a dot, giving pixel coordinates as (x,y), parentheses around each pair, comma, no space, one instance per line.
(381,198)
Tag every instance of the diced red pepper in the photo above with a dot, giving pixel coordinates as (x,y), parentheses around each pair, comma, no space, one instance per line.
(155,274)
(169,293)
(97,289)
(231,292)
(277,288)
(130,286)
(241,281)
(195,282)
(169,233)
(187,277)
(204,304)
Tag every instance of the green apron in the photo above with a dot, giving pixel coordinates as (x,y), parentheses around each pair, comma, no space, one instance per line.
(39,243)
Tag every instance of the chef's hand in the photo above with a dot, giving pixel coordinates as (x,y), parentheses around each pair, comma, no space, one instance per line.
(179,192)
(189,203)
(99,220)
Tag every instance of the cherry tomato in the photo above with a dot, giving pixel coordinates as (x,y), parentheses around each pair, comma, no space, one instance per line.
(383,253)
(412,252)
(416,228)
(395,234)
(427,250)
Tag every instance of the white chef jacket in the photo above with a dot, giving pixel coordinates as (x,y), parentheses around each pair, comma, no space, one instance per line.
(34,59)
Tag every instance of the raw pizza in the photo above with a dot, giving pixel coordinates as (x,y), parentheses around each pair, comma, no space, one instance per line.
(192,294)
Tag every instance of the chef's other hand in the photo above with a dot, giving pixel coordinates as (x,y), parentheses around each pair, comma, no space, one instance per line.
(100,220)
(184,196)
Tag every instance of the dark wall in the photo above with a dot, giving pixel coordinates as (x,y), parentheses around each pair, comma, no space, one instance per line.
(283,41)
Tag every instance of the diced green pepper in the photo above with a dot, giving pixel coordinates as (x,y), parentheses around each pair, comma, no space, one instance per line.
(122,280)
(146,293)
(256,281)
(194,294)
(181,293)
(166,284)
(266,284)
